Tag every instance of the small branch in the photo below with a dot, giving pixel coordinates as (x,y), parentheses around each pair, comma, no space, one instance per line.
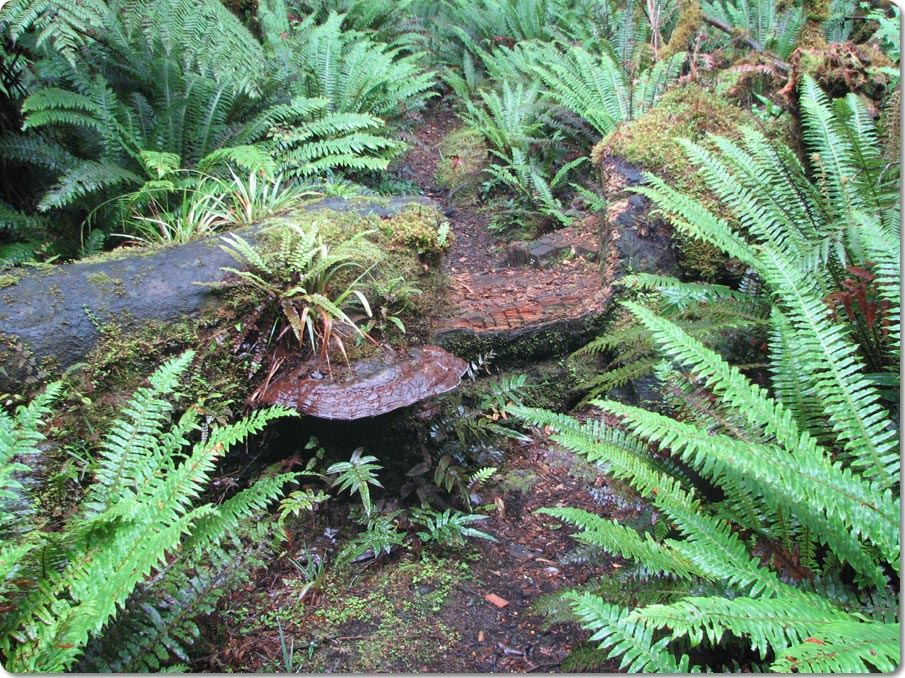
(748,40)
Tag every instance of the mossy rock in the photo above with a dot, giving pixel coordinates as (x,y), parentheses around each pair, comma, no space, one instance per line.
(840,68)
(653,143)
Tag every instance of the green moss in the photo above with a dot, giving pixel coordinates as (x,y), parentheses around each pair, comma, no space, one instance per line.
(7,280)
(421,228)
(840,68)
(389,618)
(106,284)
(652,142)
(464,159)
(401,256)
(686,28)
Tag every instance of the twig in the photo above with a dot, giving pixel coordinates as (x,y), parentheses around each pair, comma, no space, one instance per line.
(748,40)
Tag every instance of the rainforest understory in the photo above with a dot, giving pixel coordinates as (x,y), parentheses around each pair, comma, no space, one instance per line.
(465,336)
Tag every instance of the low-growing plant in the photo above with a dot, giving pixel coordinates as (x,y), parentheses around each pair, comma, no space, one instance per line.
(253,198)
(356,475)
(198,215)
(775,485)
(300,281)
(449,527)
(380,537)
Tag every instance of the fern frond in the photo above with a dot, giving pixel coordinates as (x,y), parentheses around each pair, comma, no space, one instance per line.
(626,542)
(86,178)
(768,624)
(850,401)
(35,150)
(19,438)
(67,26)
(827,499)
(634,642)
(844,647)
(136,515)
(681,295)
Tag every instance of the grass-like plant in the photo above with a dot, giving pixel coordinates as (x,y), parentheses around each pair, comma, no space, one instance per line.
(252,198)
(198,215)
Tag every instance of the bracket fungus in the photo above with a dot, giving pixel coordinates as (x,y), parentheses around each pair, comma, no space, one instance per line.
(373,386)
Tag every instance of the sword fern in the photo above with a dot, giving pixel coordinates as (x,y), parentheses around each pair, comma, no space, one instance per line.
(776,490)
(138,533)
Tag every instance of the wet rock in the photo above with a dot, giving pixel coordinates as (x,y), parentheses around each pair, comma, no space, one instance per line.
(550,249)
(374,386)
(642,241)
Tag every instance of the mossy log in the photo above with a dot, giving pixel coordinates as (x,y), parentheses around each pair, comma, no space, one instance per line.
(51,319)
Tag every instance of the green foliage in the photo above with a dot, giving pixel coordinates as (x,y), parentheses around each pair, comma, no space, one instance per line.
(298,279)
(177,80)
(355,475)
(353,72)
(593,85)
(252,199)
(731,321)
(384,18)
(887,34)
(773,26)
(138,555)
(449,527)
(64,25)
(512,125)
(424,230)
(380,536)
(197,214)
(777,491)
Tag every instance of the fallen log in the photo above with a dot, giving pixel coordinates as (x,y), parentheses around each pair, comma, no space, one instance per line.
(50,319)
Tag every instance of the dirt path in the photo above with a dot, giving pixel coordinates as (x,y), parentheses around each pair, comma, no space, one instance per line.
(501,289)
(493,287)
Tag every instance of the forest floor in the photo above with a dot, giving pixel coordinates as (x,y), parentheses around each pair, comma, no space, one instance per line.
(469,609)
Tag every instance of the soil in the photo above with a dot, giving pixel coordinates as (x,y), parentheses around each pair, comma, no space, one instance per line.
(424,608)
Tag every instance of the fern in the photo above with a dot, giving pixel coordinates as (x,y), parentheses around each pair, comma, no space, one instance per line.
(802,519)
(774,29)
(356,74)
(177,78)
(356,475)
(449,527)
(137,520)
(65,25)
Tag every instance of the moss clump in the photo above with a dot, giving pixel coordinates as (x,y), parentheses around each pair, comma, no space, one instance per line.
(840,68)
(422,228)
(464,160)
(106,284)
(688,25)
(652,142)
(7,280)
(399,256)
